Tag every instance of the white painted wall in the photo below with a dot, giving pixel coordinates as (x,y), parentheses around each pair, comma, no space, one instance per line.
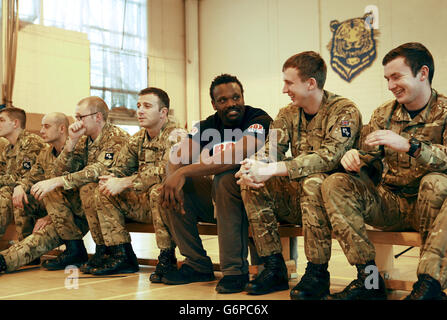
(252,38)
(52,69)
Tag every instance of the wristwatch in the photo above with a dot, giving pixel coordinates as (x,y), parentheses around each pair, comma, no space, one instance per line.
(415,145)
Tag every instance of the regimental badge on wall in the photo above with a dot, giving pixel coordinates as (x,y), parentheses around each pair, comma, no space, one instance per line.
(353,47)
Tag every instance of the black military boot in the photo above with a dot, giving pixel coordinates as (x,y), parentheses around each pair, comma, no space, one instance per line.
(314,284)
(122,260)
(426,288)
(97,260)
(74,254)
(2,264)
(357,289)
(273,278)
(167,262)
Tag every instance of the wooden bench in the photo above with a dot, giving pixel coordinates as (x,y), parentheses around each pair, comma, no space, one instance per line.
(383,242)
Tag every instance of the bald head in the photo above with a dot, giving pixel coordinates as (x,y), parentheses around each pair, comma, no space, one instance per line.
(57,119)
(54,127)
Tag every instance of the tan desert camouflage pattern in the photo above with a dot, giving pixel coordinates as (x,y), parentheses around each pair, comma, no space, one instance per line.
(41,170)
(64,206)
(81,170)
(317,148)
(147,159)
(90,159)
(35,245)
(411,196)
(17,161)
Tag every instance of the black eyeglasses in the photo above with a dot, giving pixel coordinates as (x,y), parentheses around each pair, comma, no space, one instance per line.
(79,118)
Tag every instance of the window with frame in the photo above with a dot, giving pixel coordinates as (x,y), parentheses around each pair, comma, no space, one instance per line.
(117,31)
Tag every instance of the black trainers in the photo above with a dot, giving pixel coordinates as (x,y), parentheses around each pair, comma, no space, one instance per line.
(186,274)
(314,284)
(426,288)
(167,262)
(273,278)
(232,283)
(357,289)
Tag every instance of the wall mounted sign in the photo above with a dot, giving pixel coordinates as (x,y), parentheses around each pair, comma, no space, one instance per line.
(352,47)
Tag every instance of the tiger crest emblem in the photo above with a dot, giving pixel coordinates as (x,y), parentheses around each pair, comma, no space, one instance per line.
(353,47)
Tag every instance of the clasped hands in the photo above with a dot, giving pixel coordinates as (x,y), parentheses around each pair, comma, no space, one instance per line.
(254,173)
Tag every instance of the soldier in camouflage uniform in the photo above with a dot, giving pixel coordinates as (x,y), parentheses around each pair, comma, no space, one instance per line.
(16,159)
(410,133)
(127,190)
(91,148)
(44,238)
(320,127)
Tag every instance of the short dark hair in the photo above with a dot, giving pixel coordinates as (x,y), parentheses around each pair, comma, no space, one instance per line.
(16,114)
(309,65)
(416,56)
(161,94)
(222,79)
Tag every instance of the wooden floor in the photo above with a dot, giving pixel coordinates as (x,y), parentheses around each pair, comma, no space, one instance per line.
(38,284)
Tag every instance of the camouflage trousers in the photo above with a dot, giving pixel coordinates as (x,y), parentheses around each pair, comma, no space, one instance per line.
(351,204)
(24,218)
(65,206)
(285,201)
(112,212)
(36,245)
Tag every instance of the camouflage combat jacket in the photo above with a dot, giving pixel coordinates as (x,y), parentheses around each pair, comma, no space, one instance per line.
(90,159)
(16,160)
(429,127)
(317,146)
(147,157)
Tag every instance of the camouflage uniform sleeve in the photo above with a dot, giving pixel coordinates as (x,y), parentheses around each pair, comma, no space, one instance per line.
(90,173)
(336,141)
(36,174)
(277,142)
(26,159)
(434,156)
(156,173)
(70,161)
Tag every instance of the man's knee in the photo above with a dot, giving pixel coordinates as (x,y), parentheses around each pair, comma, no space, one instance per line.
(311,185)
(225,182)
(332,184)
(434,183)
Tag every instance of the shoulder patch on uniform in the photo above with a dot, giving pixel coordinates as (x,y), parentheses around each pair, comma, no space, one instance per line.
(26,165)
(256,128)
(345,123)
(346,132)
(109,156)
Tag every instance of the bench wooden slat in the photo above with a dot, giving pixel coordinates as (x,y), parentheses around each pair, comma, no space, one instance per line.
(287,230)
